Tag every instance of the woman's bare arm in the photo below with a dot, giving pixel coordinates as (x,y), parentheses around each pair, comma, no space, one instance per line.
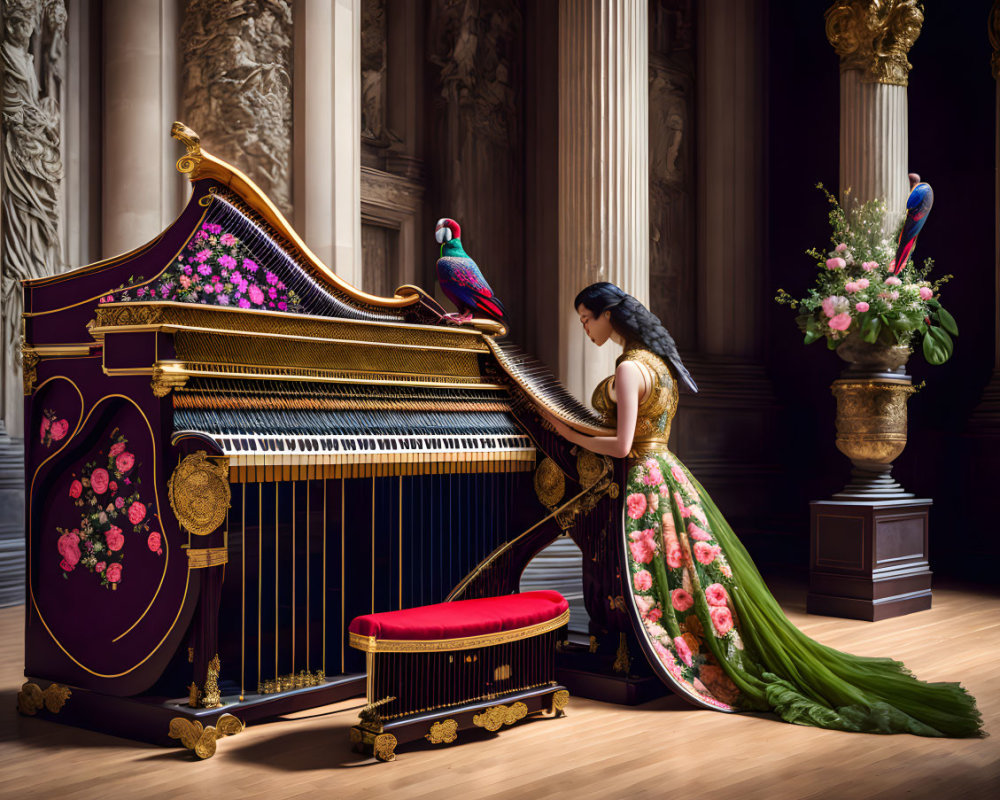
(628,386)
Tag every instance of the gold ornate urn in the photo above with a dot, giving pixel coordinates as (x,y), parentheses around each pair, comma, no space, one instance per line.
(871,417)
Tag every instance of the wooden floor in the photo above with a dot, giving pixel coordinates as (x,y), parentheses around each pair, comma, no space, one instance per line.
(664,749)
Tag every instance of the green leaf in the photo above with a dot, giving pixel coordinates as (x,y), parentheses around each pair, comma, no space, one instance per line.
(938,346)
(871,326)
(831,344)
(812,336)
(947,321)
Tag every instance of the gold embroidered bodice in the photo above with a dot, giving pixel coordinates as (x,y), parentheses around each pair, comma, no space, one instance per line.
(656,411)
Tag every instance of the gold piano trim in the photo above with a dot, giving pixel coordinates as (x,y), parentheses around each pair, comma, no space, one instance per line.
(204,557)
(370,644)
(199,164)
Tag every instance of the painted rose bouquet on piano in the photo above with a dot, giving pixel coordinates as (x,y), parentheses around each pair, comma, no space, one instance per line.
(868,288)
(214,268)
(107,492)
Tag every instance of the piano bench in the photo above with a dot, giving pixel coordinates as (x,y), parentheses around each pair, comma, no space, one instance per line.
(438,669)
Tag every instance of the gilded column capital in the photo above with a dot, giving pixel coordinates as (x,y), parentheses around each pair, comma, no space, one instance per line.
(874,37)
(994,31)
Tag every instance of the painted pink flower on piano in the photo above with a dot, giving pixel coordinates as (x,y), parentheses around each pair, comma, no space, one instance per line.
(136,513)
(99,480)
(114,538)
(75,489)
(124,461)
(154,543)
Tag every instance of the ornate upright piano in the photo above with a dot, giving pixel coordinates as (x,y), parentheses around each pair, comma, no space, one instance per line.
(232,453)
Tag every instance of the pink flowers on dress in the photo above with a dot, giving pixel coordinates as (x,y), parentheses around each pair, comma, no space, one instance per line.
(643,545)
(683,510)
(636,505)
(706,553)
(697,533)
(653,476)
(681,600)
(716,595)
(722,620)
(642,581)
(683,651)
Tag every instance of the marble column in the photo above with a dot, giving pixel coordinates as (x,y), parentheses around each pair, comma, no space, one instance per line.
(603,169)
(872,40)
(327,132)
(141,192)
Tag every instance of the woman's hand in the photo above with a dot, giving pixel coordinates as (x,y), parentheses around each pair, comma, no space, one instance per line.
(560,427)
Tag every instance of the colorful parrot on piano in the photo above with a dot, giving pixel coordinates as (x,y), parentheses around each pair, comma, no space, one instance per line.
(460,278)
(918,206)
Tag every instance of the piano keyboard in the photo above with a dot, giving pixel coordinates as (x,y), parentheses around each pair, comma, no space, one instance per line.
(279,458)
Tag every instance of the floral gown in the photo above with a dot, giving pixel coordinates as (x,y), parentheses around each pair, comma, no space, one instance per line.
(713,631)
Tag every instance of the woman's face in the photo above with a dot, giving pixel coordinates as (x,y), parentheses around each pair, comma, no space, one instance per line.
(598,328)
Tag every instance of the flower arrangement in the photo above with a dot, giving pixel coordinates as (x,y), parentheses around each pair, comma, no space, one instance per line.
(858,293)
(215,268)
(108,492)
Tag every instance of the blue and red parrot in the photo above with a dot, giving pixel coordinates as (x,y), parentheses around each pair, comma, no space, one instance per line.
(918,206)
(460,278)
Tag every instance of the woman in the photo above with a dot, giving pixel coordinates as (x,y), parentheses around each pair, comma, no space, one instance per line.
(712,629)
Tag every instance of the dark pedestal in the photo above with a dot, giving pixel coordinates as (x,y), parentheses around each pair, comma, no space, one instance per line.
(593,675)
(868,560)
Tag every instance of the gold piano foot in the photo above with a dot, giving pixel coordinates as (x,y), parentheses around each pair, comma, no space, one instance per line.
(200,739)
(373,742)
(559,702)
(31,698)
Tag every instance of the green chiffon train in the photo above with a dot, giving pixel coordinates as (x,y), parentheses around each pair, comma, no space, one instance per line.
(808,683)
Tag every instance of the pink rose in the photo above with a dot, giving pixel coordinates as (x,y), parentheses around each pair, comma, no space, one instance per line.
(840,248)
(116,448)
(75,489)
(100,565)
(683,651)
(663,490)
(868,266)
(850,287)
(68,546)
(697,533)
(926,293)
(674,557)
(841,322)
(653,476)
(642,553)
(654,615)
(894,294)
(681,600)
(114,573)
(861,307)
(892,280)
(154,542)
(46,424)
(716,595)
(125,461)
(835,263)
(642,581)
(863,283)
(228,240)
(679,475)
(59,429)
(99,480)
(722,620)
(706,553)
(681,508)
(119,503)
(113,486)
(114,538)
(136,512)
(636,505)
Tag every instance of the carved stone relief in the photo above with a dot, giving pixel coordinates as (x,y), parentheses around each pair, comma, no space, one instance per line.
(374,69)
(32,60)
(237,90)
(671,167)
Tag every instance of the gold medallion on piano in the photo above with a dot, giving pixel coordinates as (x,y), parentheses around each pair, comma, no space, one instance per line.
(199,493)
(550,483)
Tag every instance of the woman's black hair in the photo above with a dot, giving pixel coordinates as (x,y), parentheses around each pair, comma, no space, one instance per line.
(632,320)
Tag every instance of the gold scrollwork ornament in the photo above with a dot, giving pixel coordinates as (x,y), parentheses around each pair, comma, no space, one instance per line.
(29,367)
(194,736)
(31,698)
(444,732)
(199,493)
(550,483)
(192,158)
(495,717)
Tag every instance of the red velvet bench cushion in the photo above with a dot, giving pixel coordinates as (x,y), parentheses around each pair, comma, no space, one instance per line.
(461,624)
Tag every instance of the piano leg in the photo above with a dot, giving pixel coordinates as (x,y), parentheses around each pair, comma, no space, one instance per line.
(204,689)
